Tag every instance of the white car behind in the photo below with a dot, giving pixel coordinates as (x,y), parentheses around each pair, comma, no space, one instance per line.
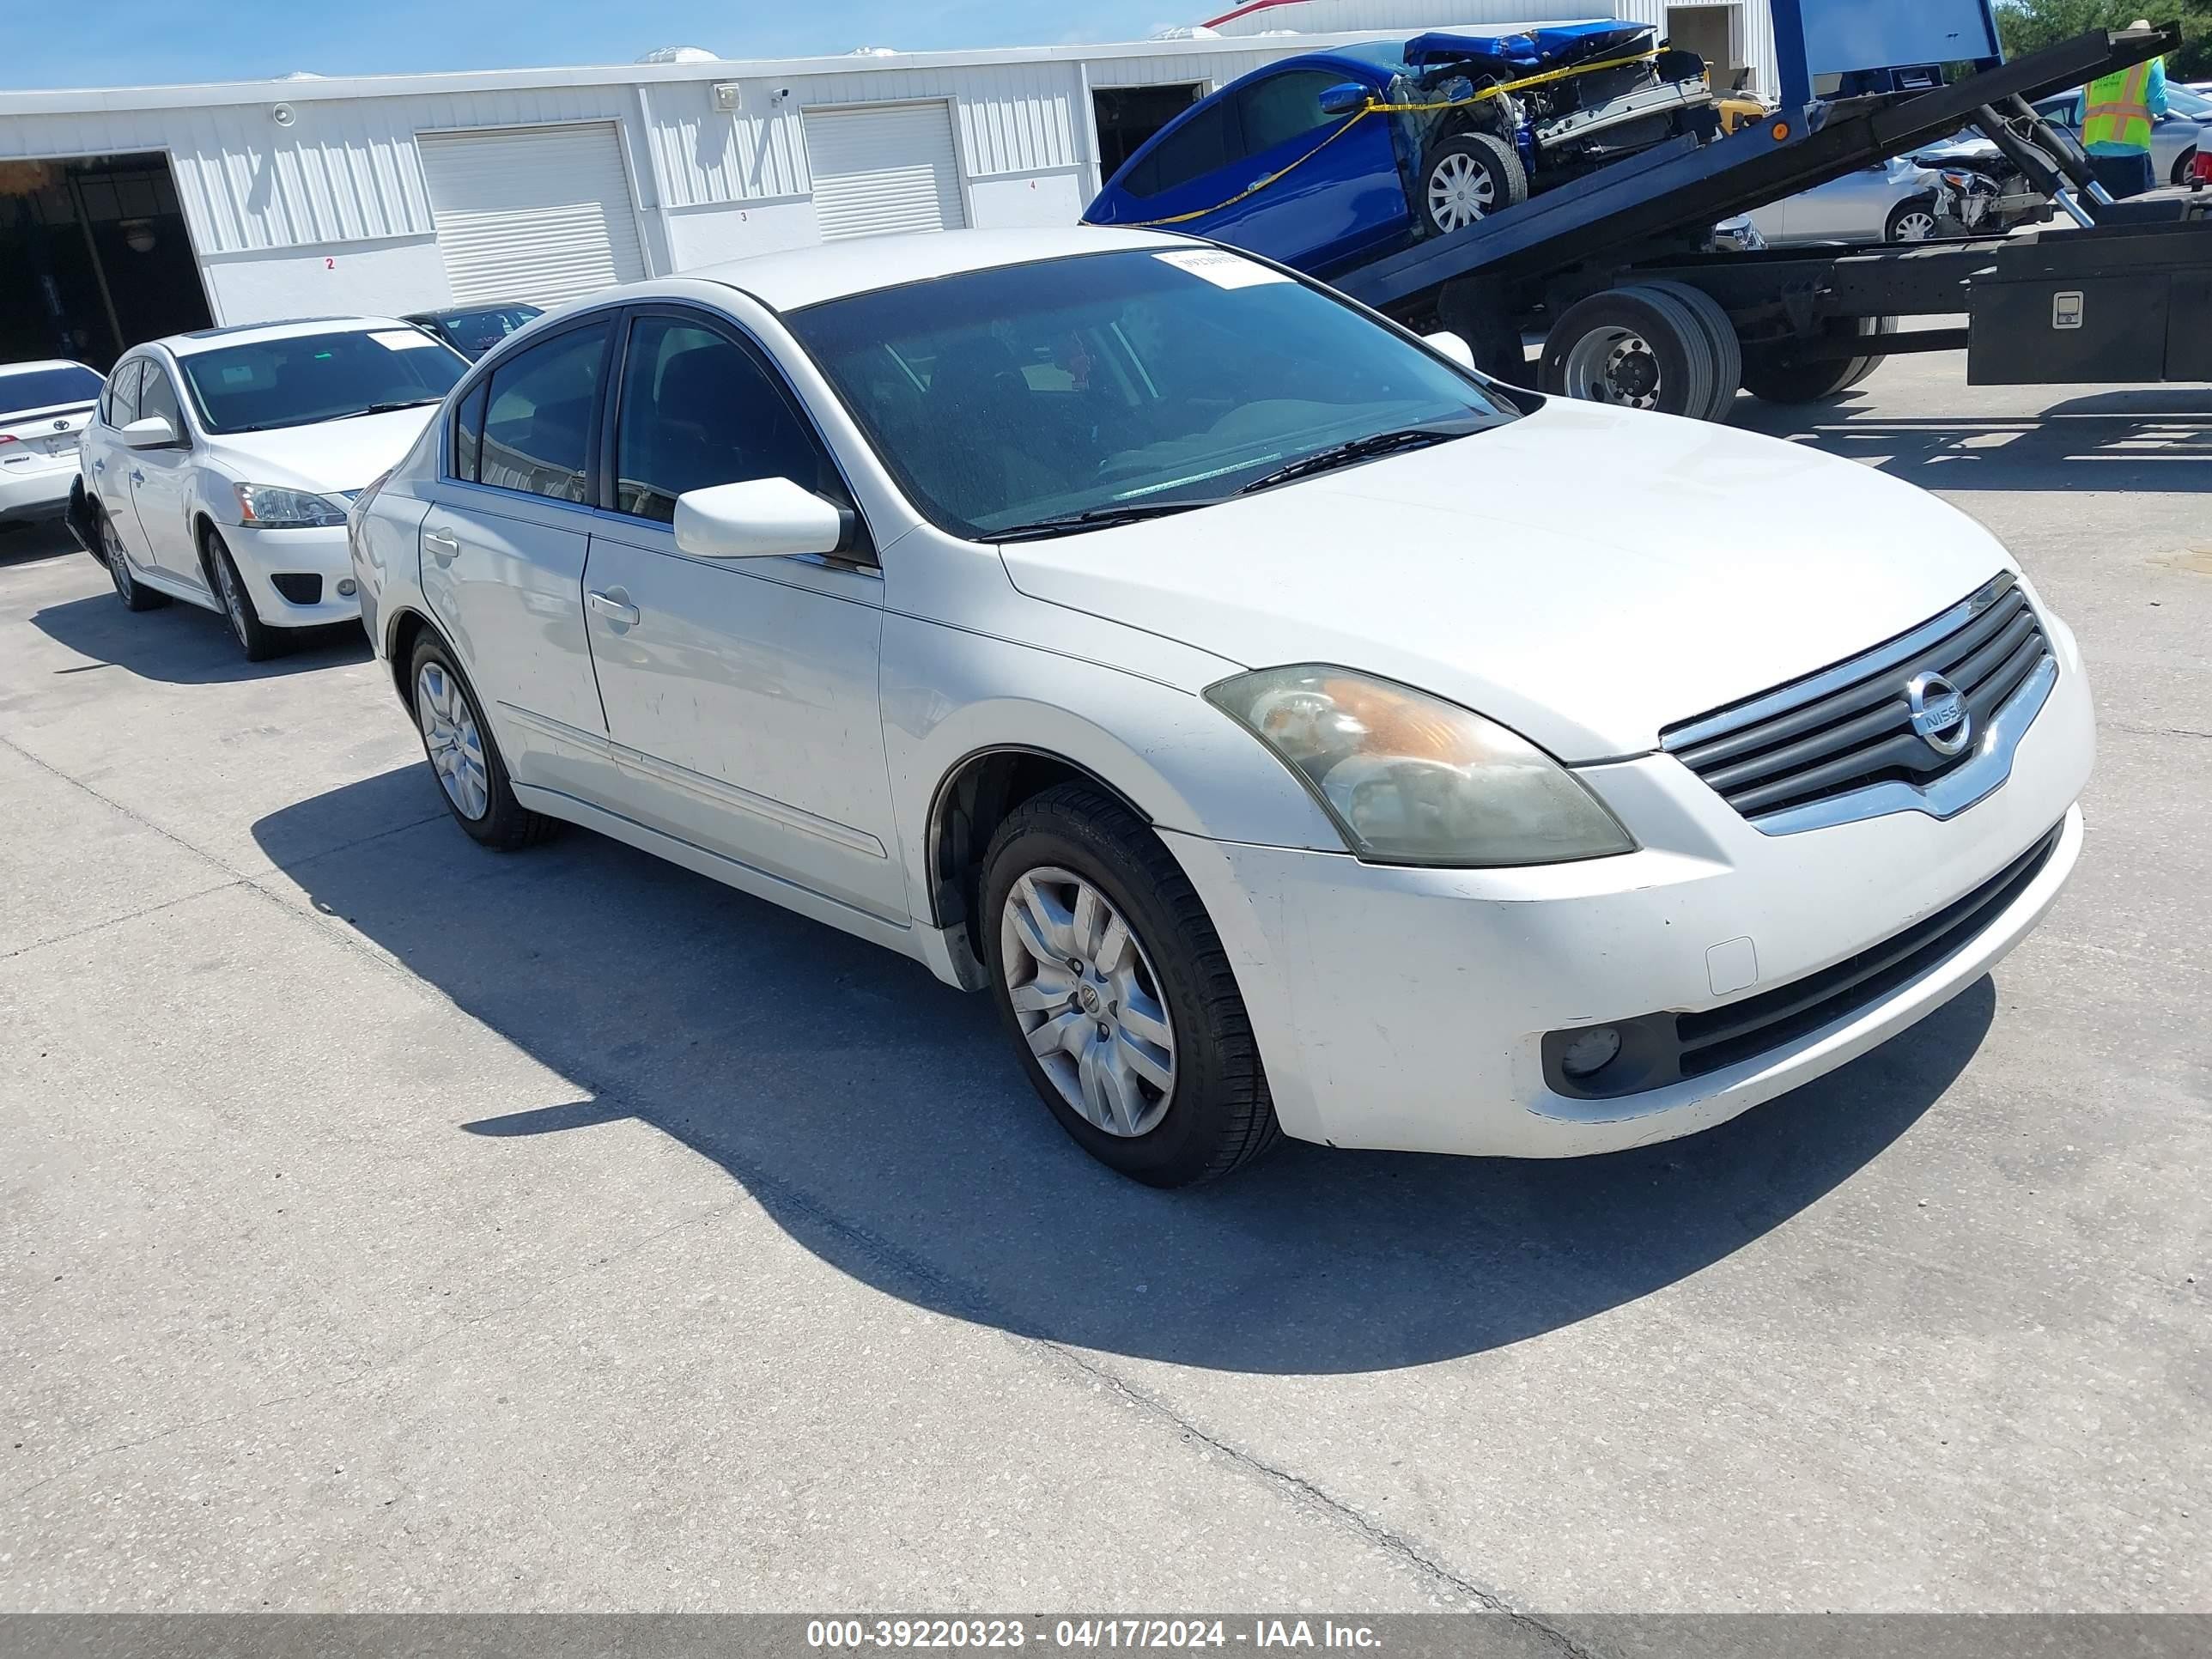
(219,465)
(44,408)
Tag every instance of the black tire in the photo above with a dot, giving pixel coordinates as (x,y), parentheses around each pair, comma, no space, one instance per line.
(255,639)
(1645,348)
(1220,1117)
(134,593)
(2184,167)
(1720,335)
(1912,212)
(505,824)
(1775,374)
(1497,162)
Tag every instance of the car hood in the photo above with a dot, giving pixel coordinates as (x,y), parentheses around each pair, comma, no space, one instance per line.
(1586,575)
(328,456)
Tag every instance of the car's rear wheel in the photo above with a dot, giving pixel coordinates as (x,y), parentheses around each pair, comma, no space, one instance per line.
(458,742)
(134,593)
(1468,177)
(1118,993)
(255,638)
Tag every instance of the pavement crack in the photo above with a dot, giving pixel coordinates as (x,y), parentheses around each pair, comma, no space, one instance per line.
(115,922)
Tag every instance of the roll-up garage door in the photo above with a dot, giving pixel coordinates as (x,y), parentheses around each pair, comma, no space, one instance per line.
(541,214)
(879,170)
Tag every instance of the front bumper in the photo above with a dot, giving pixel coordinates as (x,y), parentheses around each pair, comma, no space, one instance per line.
(263,555)
(1407,1009)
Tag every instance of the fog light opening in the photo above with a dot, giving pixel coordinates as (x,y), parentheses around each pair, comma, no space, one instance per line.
(1590,1052)
(346,587)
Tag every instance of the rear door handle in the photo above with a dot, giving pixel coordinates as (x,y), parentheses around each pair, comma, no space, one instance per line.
(444,546)
(614,604)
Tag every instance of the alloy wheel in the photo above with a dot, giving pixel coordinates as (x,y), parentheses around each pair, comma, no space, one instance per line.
(1085,993)
(451,740)
(118,566)
(1461,192)
(1614,366)
(233,605)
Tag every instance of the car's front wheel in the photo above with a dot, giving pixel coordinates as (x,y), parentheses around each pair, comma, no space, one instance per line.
(1912,222)
(1119,995)
(1469,177)
(458,742)
(255,638)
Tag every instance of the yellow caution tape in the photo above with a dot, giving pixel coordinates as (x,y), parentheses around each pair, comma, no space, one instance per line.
(1484,96)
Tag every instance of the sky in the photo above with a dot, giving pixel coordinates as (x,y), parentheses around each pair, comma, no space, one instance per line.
(152,42)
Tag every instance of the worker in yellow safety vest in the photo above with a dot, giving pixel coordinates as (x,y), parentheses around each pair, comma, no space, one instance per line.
(2116,126)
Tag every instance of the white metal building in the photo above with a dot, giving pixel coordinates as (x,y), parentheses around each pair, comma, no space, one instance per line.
(128,214)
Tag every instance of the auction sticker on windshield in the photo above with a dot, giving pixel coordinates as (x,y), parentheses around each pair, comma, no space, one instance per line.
(403,339)
(1222,270)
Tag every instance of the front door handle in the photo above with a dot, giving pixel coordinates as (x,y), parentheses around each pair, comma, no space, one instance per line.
(137,476)
(444,546)
(99,466)
(614,604)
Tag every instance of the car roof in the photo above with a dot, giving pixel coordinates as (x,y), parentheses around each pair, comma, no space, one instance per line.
(42,364)
(214,339)
(803,277)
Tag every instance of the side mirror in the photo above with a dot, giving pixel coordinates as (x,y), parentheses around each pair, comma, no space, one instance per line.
(1448,344)
(154,432)
(761,518)
(1344,99)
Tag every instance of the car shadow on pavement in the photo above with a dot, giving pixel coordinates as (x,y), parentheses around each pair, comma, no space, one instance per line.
(184,645)
(882,1120)
(2157,438)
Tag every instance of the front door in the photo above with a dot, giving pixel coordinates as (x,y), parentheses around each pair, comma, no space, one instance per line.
(741,693)
(503,550)
(160,483)
(1331,197)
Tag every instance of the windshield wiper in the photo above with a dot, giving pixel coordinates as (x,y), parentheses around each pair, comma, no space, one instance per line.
(386,409)
(1358,449)
(1094,518)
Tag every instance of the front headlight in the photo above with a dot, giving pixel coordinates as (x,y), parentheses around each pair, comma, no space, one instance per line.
(1411,779)
(272,507)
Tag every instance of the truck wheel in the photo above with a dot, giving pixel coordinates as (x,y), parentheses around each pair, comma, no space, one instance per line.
(1720,335)
(1635,348)
(1777,378)
(1867,365)
(1468,177)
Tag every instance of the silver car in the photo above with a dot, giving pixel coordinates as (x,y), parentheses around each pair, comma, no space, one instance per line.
(1897,201)
(2173,135)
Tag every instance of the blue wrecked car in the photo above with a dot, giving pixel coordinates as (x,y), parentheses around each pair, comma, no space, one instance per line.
(1332,156)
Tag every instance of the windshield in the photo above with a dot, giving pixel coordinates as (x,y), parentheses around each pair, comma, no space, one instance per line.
(2182,102)
(25,389)
(1124,381)
(319,377)
(477,331)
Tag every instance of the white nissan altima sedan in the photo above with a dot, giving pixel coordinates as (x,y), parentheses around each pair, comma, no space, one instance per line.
(1292,732)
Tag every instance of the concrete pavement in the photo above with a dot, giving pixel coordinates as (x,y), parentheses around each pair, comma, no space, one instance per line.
(386,1224)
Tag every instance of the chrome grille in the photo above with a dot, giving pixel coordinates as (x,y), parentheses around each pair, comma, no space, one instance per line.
(1842,744)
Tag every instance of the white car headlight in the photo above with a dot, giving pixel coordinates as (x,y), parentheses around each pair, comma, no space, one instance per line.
(1411,779)
(272,507)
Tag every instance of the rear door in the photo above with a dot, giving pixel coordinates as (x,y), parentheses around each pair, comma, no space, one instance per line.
(107,463)
(503,547)
(741,693)
(1329,193)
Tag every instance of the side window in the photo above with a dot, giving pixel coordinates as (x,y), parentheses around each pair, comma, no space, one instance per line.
(1284,106)
(538,424)
(1203,142)
(698,409)
(468,432)
(122,393)
(157,396)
